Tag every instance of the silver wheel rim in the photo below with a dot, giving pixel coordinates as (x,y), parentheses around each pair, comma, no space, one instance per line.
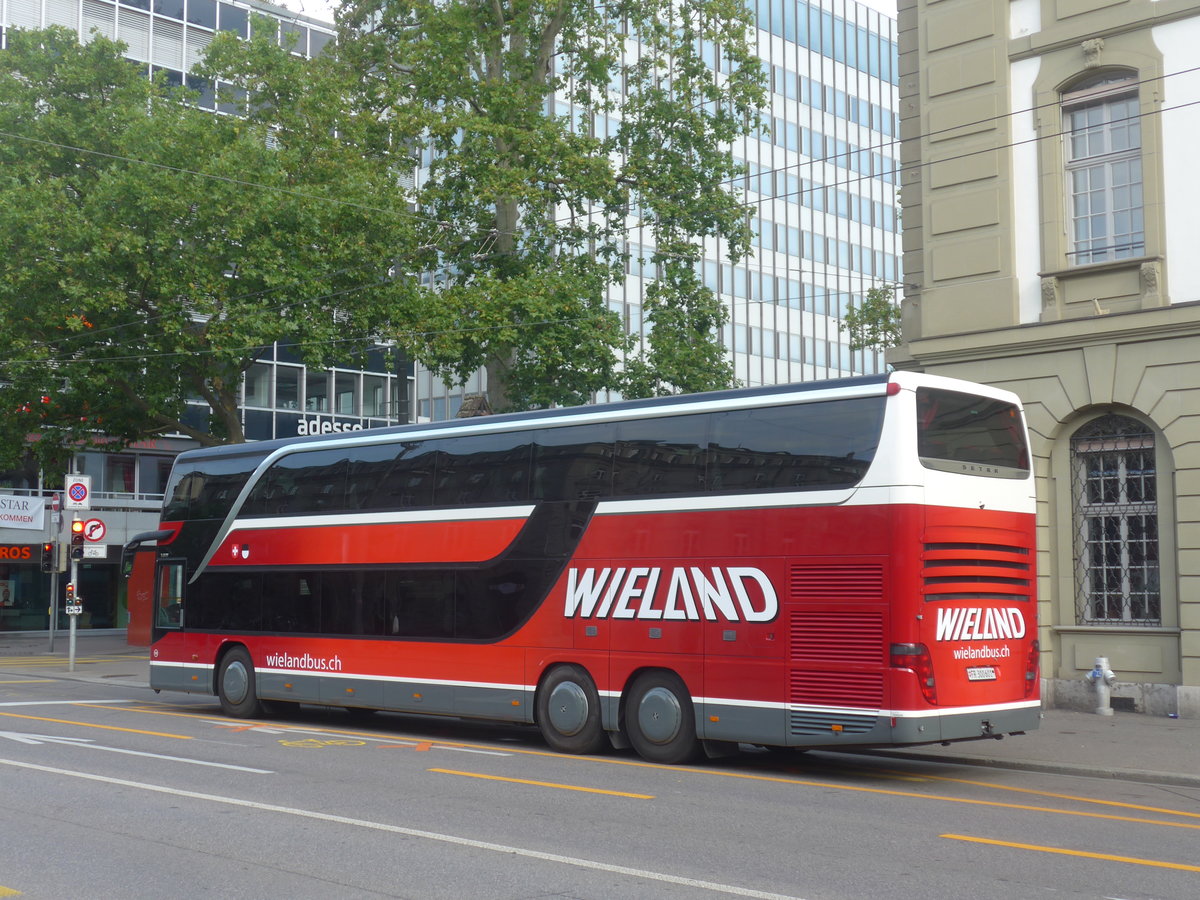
(568,708)
(660,715)
(235,682)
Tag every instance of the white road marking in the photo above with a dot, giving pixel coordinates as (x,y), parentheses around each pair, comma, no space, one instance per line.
(59,702)
(716,887)
(88,743)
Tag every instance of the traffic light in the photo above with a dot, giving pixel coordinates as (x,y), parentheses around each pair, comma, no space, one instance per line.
(70,593)
(77,539)
(49,558)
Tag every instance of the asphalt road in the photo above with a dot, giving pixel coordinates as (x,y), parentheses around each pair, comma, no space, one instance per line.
(114,791)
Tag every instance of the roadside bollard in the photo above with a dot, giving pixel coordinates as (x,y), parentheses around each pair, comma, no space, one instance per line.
(1102,678)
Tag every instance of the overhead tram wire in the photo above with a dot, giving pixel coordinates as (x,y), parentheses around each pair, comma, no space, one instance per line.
(929,134)
(749,204)
(827,159)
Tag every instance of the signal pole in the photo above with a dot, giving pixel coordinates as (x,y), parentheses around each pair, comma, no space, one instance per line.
(56,518)
(74,601)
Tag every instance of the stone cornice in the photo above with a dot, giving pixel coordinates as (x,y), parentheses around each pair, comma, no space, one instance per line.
(1166,323)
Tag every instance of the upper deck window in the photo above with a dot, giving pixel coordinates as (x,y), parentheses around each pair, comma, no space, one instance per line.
(970,434)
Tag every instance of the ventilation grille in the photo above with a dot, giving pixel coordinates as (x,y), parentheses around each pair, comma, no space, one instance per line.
(850,638)
(859,689)
(854,583)
(955,571)
(816,722)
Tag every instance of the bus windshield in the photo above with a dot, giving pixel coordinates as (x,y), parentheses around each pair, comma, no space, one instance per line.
(959,432)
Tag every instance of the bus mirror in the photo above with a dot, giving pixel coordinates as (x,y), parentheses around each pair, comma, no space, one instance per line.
(130,550)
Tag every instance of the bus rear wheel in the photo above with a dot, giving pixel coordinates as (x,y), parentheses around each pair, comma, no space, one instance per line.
(568,711)
(661,720)
(235,685)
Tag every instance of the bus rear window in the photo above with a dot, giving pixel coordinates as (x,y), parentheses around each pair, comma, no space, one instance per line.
(970,434)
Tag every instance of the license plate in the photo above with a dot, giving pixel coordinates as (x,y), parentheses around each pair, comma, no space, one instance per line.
(981,673)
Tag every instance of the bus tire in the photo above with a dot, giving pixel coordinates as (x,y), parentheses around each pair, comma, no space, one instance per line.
(235,685)
(661,720)
(568,711)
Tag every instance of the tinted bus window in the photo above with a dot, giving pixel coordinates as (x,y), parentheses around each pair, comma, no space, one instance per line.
(661,456)
(301,483)
(572,463)
(809,446)
(207,488)
(367,475)
(484,468)
(409,480)
(956,430)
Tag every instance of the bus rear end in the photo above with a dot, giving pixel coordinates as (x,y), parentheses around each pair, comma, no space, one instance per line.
(964,648)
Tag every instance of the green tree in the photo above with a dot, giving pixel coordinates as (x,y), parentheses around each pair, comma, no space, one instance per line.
(874,323)
(549,149)
(152,249)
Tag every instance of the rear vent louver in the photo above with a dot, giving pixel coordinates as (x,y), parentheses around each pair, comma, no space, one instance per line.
(955,571)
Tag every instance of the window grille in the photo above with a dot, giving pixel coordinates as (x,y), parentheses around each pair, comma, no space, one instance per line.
(1115,490)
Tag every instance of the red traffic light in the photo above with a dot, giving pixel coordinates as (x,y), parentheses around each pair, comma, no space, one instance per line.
(77,527)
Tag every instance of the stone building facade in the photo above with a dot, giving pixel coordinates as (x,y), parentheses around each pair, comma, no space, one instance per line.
(1050,199)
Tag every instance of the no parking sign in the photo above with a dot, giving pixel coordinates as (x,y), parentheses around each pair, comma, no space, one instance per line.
(79,492)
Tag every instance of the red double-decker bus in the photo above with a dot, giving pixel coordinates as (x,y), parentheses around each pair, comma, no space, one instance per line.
(826,564)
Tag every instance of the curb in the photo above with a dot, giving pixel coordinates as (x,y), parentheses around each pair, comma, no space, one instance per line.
(1176,779)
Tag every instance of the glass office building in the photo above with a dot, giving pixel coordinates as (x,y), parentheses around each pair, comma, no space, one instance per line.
(822,188)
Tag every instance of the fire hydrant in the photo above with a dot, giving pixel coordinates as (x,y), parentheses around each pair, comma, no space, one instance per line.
(1102,678)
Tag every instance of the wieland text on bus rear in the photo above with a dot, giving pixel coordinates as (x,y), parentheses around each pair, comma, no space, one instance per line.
(828,564)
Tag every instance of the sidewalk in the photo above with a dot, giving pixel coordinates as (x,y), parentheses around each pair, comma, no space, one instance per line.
(1130,746)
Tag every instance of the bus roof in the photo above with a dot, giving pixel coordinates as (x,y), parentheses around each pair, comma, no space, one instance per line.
(503,420)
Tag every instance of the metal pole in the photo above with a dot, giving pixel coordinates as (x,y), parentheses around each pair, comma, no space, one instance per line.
(56,519)
(53,600)
(71,657)
(71,618)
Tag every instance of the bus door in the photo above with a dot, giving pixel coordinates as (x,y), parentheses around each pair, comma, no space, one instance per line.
(168,595)
(837,622)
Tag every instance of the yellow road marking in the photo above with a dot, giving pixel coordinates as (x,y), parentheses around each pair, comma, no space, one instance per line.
(1133,860)
(9,892)
(549,784)
(749,776)
(58,661)
(1077,799)
(181,737)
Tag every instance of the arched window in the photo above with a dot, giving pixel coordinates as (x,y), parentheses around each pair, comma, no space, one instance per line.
(1115,493)
(1101,118)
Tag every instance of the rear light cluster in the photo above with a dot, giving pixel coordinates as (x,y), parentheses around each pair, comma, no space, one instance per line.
(1031,668)
(915,657)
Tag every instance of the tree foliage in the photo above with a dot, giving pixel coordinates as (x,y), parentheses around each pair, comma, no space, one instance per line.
(153,249)
(875,323)
(550,148)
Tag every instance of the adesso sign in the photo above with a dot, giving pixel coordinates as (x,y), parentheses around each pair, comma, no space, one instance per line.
(326,426)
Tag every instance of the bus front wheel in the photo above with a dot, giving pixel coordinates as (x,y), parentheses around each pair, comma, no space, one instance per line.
(568,711)
(235,685)
(661,720)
